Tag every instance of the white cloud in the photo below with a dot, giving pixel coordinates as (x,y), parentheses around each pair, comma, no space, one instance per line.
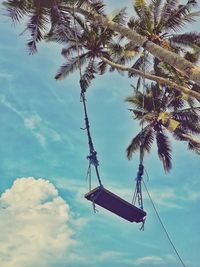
(41,138)
(149,260)
(32,122)
(165,197)
(110,255)
(34,225)
(173,197)
(40,129)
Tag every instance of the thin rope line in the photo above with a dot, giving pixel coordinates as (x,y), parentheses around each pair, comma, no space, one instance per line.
(142,123)
(134,196)
(83,99)
(76,38)
(164,228)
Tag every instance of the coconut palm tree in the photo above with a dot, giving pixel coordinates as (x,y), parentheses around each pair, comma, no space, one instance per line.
(87,45)
(60,12)
(160,22)
(43,13)
(162,113)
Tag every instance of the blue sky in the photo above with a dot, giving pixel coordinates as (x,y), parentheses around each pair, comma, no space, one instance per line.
(44,217)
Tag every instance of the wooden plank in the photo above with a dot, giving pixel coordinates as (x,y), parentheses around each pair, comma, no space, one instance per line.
(115,204)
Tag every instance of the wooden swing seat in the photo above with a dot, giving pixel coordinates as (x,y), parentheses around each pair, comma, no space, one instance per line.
(115,204)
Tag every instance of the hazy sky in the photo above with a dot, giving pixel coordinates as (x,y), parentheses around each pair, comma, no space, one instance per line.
(45,220)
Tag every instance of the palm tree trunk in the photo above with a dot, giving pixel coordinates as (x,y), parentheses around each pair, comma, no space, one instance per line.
(157,79)
(188,69)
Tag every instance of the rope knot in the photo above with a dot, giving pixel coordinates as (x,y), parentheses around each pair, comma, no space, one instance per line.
(140,172)
(93,158)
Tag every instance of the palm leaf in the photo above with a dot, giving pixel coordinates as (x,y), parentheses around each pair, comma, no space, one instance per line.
(189,127)
(190,38)
(187,115)
(88,75)
(142,9)
(141,63)
(60,25)
(194,147)
(136,100)
(118,16)
(177,23)
(71,66)
(16,10)
(96,5)
(193,56)
(164,150)
(156,8)
(167,10)
(146,137)
(102,67)
(69,51)
(134,23)
(36,26)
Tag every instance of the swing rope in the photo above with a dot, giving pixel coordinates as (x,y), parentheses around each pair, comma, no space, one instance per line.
(92,157)
(138,189)
(163,226)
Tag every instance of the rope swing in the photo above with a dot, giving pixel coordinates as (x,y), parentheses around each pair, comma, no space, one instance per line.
(100,195)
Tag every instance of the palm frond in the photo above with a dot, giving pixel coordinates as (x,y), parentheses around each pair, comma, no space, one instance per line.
(88,75)
(16,10)
(188,127)
(142,9)
(118,16)
(98,6)
(193,56)
(36,26)
(95,5)
(102,67)
(149,101)
(69,51)
(60,25)
(145,137)
(141,63)
(71,66)
(176,102)
(176,23)
(195,87)
(134,23)
(156,9)
(193,144)
(167,9)
(194,147)
(164,150)
(187,115)
(136,100)
(190,38)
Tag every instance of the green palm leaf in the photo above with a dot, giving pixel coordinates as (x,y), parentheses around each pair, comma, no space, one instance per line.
(156,9)
(190,38)
(145,137)
(88,75)
(194,147)
(36,26)
(164,150)
(16,10)
(96,5)
(177,23)
(71,66)
(166,11)
(187,115)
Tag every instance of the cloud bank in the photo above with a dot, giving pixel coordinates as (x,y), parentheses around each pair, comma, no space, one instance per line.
(35,225)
